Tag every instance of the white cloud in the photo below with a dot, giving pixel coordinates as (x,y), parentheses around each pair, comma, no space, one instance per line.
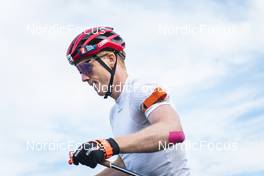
(43,99)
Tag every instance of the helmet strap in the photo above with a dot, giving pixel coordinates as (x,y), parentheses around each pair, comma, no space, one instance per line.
(112,73)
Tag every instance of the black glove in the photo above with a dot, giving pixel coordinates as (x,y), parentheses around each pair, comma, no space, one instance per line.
(94,152)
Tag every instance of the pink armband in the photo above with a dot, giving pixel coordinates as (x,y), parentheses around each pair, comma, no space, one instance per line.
(176,137)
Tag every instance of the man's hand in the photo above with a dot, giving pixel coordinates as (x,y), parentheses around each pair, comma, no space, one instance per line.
(94,152)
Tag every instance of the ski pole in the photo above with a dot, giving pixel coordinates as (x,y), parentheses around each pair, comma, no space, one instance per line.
(108,164)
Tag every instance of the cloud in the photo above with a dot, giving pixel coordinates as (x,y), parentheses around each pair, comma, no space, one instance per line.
(208,54)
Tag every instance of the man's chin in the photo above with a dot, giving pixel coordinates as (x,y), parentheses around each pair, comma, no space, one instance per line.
(100,93)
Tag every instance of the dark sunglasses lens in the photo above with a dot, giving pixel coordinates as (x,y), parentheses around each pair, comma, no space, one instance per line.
(85,68)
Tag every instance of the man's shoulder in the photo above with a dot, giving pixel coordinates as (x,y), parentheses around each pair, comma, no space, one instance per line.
(138,90)
(138,86)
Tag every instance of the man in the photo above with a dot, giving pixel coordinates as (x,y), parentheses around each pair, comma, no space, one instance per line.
(143,121)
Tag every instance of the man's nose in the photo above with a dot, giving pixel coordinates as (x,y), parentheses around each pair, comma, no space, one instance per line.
(85,77)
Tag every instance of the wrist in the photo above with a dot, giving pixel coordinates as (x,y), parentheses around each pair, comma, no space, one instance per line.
(109,147)
(115,146)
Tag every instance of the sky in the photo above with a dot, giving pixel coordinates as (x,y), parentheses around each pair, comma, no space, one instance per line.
(207,53)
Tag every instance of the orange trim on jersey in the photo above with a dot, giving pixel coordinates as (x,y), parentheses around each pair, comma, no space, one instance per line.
(158,95)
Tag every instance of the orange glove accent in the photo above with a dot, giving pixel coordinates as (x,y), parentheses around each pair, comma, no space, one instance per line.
(105,145)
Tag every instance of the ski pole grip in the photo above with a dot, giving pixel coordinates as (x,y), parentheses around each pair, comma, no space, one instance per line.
(70,161)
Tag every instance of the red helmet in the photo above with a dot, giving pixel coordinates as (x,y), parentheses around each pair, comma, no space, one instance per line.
(92,41)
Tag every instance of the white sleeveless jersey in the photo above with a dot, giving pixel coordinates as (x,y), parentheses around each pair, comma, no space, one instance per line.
(127,117)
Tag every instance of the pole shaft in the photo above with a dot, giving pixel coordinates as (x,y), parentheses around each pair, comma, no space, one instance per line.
(110,165)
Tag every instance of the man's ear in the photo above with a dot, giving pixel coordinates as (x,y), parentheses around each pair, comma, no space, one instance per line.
(112,59)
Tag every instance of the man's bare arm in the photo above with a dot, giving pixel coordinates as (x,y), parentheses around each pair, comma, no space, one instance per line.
(163,120)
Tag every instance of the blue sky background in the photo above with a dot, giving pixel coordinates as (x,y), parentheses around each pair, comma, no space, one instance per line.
(214,74)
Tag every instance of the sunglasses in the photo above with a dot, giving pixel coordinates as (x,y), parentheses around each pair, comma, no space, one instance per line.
(85,67)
